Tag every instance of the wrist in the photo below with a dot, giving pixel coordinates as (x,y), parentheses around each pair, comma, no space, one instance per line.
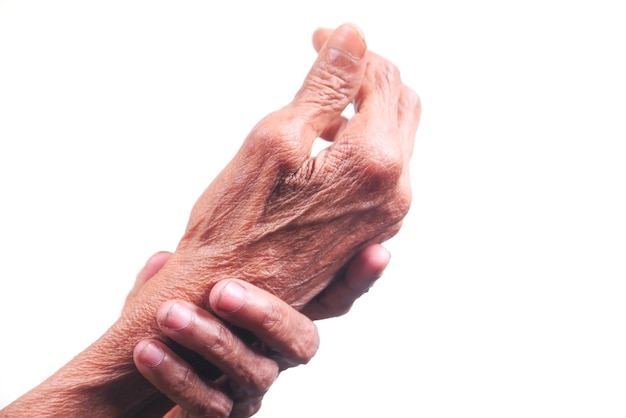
(101,381)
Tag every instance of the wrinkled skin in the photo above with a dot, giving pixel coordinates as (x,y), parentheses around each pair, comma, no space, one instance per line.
(287,221)
(275,216)
(288,338)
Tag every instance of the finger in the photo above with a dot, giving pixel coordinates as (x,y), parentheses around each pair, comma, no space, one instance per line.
(178,381)
(246,408)
(409,109)
(380,92)
(205,335)
(176,412)
(279,326)
(244,405)
(152,266)
(409,115)
(316,110)
(332,83)
(320,36)
(372,143)
(361,274)
(334,128)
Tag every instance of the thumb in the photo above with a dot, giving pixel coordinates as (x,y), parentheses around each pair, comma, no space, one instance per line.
(334,80)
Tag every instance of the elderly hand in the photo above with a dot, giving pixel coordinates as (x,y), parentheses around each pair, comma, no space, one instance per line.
(282,219)
(288,339)
(276,216)
(287,221)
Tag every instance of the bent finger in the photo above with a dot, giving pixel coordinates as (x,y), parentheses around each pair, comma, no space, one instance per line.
(279,326)
(406,103)
(152,267)
(361,274)
(175,378)
(332,83)
(205,335)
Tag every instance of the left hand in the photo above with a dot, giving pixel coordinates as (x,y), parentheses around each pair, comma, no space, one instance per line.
(287,339)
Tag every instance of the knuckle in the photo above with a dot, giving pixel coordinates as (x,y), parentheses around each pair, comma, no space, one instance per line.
(403,202)
(411,100)
(382,168)
(307,345)
(384,73)
(276,138)
(273,317)
(302,349)
(383,184)
(395,208)
(265,375)
(400,206)
(247,407)
(254,405)
(181,382)
(220,342)
(215,404)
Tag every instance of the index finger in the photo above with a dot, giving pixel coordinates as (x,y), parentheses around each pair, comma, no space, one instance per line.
(274,322)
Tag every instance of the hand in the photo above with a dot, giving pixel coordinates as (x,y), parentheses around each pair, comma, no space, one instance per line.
(275,217)
(336,299)
(248,374)
(284,220)
(288,338)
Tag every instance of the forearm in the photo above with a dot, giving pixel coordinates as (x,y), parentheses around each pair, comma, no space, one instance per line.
(100,382)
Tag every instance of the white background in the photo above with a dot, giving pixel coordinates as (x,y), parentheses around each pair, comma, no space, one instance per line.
(505,296)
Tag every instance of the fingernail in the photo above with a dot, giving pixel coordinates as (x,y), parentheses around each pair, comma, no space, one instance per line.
(349,40)
(232,297)
(152,355)
(177,317)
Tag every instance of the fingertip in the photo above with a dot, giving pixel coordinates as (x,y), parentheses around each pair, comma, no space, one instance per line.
(373,260)
(227,296)
(381,256)
(367,267)
(348,39)
(148,353)
(347,31)
(320,36)
(158,260)
(175,315)
(152,266)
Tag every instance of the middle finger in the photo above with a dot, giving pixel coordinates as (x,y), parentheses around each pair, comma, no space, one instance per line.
(207,336)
